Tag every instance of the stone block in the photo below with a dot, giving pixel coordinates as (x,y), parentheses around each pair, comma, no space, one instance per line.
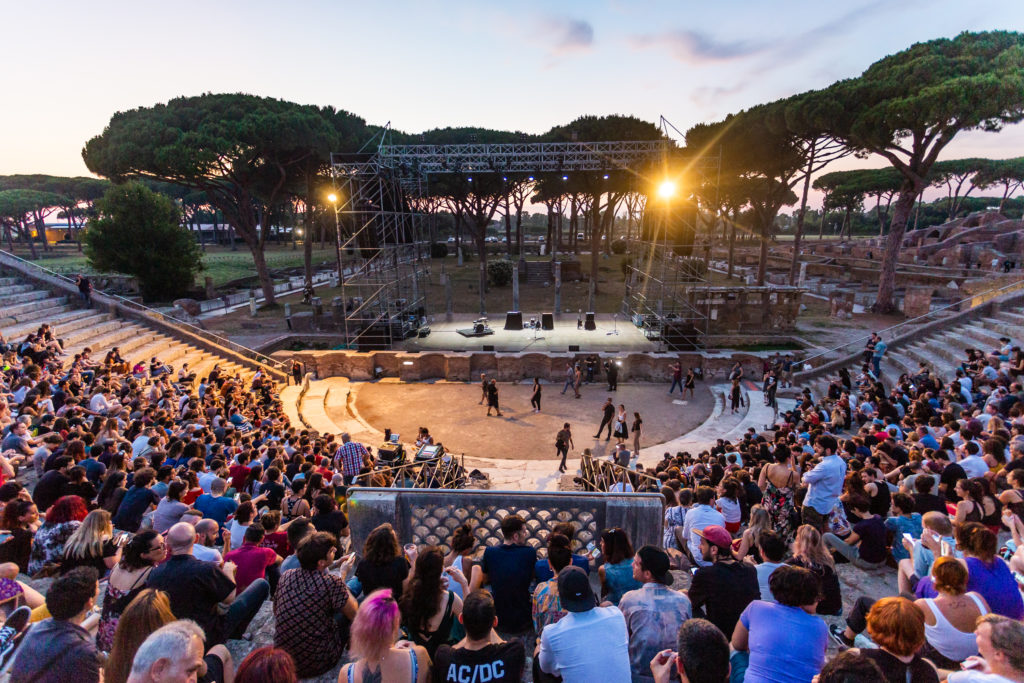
(917,301)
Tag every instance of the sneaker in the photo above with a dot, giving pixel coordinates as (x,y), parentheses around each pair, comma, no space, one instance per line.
(837,634)
(10,634)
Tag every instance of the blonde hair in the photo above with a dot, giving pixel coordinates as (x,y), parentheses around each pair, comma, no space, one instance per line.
(760,521)
(808,545)
(87,540)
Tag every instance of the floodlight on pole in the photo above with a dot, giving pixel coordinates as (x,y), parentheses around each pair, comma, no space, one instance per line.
(667,189)
(332,198)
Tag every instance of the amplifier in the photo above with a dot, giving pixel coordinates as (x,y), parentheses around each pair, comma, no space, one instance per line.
(391,452)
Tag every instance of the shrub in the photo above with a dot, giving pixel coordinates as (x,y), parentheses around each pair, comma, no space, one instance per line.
(138,232)
(438,250)
(499,273)
(619,247)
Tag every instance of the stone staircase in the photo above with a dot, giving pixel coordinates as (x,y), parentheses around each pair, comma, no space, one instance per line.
(24,307)
(943,350)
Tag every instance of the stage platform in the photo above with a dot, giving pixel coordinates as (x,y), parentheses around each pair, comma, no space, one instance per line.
(612,335)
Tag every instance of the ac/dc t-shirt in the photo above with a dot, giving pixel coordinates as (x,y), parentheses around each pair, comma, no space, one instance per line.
(498,663)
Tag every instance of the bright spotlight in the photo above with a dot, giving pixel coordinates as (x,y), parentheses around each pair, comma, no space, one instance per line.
(332,198)
(470,179)
(565,177)
(606,176)
(667,189)
(530,179)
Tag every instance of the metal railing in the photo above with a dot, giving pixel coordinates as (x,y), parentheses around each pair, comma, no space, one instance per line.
(891,331)
(241,350)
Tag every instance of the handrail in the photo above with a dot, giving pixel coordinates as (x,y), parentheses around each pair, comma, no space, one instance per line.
(890,329)
(206,334)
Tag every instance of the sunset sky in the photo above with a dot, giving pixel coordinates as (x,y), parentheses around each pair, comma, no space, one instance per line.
(525,65)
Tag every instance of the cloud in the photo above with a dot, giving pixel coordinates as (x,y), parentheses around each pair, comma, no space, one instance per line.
(566,34)
(696,47)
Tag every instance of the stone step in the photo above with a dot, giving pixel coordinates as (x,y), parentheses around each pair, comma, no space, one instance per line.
(899,362)
(1003,327)
(23,312)
(126,336)
(61,323)
(985,340)
(937,363)
(1015,318)
(15,298)
(97,328)
(11,289)
(5,281)
(162,347)
(950,346)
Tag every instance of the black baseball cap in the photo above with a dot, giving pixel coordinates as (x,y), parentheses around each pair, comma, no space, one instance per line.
(574,591)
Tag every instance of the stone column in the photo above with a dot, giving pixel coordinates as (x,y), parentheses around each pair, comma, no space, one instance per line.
(558,288)
(803,274)
(252,303)
(593,293)
(515,286)
(449,304)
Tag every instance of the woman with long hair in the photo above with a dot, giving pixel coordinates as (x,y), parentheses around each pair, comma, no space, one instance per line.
(971,507)
(147,612)
(374,632)
(91,545)
(383,564)
(620,426)
(429,610)
(127,579)
(728,503)
(112,492)
(244,516)
(616,573)
(294,505)
(461,554)
(62,519)
(20,518)
(747,543)
(809,552)
(779,481)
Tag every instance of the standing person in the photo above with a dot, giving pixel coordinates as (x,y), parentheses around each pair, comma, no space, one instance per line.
(607,413)
(535,395)
(492,398)
(570,377)
(577,380)
(611,368)
(483,388)
(638,425)
(621,431)
(689,382)
(771,386)
(779,481)
(591,364)
(590,642)
(350,457)
(654,612)
(297,371)
(508,568)
(825,484)
(59,649)
(563,442)
(735,400)
(84,289)
(677,378)
(876,356)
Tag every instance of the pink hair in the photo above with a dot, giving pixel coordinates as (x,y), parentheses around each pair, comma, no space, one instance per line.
(373,630)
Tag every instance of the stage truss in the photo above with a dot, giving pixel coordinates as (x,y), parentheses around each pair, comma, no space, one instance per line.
(384,251)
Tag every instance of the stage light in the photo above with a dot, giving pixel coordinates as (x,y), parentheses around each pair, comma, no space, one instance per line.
(530,179)
(565,177)
(470,179)
(606,176)
(406,362)
(667,189)
(332,198)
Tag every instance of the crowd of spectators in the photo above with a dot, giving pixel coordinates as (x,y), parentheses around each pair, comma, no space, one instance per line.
(167,509)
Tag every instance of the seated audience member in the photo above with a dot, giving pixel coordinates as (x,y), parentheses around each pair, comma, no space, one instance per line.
(588,644)
(174,654)
(384,565)
(701,515)
(546,607)
(482,655)
(949,619)
(772,550)
(897,626)
(373,635)
(58,649)
(865,547)
(207,532)
(616,573)
(784,639)
(1001,648)
(313,608)
(701,655)
(251,561)
(329,518)
(298,531)
(508,569)
(139,500)
(654,612)
(215,505)
(935,529)
(267,664)
(903,521)
(20,519)
(429,608)
(851,666)
(197,589)
(147,611)
(723,587)
(92,545)
(127,580)
(541,570)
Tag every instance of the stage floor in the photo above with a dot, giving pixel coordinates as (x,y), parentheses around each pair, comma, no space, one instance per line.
(613,335)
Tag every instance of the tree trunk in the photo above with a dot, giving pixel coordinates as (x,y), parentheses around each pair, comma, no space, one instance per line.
(307,246)
(481,232)
(794,265)
(897,229)
(762,264)
(732,246)
(27,237)
(508,226)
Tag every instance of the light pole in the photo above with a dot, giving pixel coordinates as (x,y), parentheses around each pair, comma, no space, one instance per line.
(333,199)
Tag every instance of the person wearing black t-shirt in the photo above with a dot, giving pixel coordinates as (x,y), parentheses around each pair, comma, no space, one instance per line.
(924,499)
(865,547)
(328,518)
(273,488)
(508,568)
(482,655)
(721,591)
(951,474)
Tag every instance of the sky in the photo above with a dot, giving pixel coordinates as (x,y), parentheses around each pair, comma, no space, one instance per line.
(524,66)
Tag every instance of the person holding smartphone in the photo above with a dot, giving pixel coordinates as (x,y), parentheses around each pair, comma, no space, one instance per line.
(702,653)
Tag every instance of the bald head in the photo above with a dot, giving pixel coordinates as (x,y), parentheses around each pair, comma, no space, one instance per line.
(180,538)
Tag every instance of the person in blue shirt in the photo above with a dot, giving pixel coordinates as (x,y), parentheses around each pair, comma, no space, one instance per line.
(215,505)
(542,572)
(903,521)
(825,483)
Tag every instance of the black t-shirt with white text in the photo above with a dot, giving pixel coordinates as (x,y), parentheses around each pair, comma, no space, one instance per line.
(498,663)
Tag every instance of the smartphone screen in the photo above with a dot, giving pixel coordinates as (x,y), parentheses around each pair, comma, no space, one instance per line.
(908,538)
(944,548)
(694,570)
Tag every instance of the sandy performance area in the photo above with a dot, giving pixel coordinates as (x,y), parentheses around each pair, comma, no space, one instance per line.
(454,416)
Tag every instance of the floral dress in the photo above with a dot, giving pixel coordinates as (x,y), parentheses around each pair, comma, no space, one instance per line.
(780,506)
(48,545)
(114,603)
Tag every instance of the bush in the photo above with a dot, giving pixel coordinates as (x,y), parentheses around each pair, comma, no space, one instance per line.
(499,273)
(619,247)
(438,250)
(138,232)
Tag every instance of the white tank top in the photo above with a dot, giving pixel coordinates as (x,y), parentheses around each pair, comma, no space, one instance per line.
(946,638)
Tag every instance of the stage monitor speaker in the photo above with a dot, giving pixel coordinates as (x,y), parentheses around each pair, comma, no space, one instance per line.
(488,347)
(547,321)
(513,320)
(574,348)
(589,323)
